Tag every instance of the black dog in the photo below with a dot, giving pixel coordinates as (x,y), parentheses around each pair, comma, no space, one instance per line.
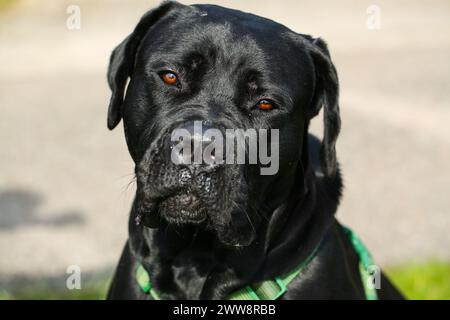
(205,232)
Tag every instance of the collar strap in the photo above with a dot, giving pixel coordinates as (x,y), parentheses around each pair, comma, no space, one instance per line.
(365,264)
(274,289)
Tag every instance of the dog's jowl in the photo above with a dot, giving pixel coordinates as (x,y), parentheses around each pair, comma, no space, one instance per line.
(203,226)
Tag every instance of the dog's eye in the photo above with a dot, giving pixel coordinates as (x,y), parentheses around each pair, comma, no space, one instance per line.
(169,78)
(265,105)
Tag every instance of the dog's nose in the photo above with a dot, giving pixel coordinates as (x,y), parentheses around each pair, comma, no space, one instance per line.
(197,144)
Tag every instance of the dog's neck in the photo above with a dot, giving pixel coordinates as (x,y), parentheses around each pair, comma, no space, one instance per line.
(192,264)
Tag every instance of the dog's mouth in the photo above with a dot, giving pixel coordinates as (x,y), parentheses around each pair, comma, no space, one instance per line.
(211,198)
(204,208)
(183,208)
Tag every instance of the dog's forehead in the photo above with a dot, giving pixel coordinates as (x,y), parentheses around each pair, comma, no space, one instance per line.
(238,38)
(241,20)
(236,33)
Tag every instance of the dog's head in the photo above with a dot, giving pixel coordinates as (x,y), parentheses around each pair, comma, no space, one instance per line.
(222,69)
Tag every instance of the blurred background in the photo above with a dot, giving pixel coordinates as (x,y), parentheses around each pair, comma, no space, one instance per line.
(66,181)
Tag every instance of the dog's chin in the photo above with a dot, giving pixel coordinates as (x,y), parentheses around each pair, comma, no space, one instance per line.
(183,208)
(188,209)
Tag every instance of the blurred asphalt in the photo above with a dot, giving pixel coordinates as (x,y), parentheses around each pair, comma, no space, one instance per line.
(64,178)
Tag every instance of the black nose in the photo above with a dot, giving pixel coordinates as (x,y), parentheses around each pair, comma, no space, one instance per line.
(195,144)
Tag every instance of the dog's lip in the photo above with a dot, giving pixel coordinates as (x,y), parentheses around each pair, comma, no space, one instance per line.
(183,207)
(183,200)
(186,200)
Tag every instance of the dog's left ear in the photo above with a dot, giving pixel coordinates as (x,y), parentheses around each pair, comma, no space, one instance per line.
(326,93)
(122,60)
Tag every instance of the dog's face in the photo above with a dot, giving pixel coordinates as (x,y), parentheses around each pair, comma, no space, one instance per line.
(226,70)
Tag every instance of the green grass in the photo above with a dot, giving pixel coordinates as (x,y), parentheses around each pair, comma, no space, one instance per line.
(92,291)
(421,281)
(5,3)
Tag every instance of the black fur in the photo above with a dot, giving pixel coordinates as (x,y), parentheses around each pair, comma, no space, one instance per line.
(256,227)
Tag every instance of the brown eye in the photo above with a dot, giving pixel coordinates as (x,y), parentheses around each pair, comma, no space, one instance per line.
(169,78)
(265,105)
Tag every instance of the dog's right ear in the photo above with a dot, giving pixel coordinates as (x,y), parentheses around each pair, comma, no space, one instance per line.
(122,60)
(326,94)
